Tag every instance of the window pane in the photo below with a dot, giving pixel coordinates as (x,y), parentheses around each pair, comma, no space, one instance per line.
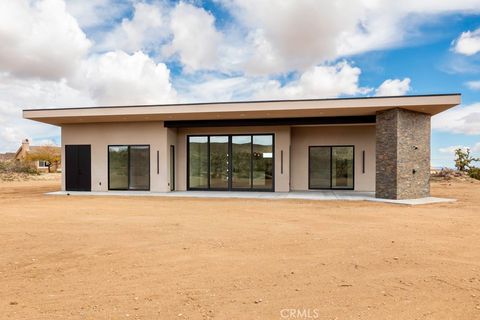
(198,162)
(263,162)
(118,167)
(319,167)
(140,167)
(241,162)
(219,162)
(342,167)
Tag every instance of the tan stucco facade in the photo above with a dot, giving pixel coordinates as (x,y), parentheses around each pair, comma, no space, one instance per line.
(291,150)
(101,135)
(362,137)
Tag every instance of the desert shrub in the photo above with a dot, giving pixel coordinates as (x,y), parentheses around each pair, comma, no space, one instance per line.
(474,173)
(463,160)
(13,166)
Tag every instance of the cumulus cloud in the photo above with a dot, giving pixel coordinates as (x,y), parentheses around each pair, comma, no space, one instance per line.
(94,14)
(474,85)
(319,81)
(468,43)
(393,87)
(119,78)
(208,87)
(298,34)
(17,94)
(146,30)
(195,38)
(461,119)
(292,34)
(40,39)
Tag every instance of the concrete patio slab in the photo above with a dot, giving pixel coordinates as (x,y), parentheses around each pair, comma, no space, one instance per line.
(325,195)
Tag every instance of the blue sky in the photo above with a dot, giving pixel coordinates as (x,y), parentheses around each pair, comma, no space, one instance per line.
(106,52)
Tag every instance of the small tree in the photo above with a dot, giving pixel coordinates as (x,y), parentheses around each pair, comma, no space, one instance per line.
(49,154)
(463,160)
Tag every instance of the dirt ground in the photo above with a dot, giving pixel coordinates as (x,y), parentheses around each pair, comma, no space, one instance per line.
(65,257)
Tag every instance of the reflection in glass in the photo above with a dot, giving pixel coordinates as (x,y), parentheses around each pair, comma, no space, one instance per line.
(139,167)
(219,162)
(198,162)
(320,167)
(342,167)
(118,167)
(241,162)
(263,162)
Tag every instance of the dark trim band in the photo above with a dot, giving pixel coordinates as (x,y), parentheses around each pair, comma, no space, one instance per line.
(270,122)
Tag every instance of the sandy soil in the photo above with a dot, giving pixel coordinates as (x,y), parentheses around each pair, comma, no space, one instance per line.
(174,258)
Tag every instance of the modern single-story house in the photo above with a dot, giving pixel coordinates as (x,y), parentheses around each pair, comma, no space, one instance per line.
(379,144)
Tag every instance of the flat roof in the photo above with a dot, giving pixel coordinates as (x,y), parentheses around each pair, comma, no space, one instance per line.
(333,107)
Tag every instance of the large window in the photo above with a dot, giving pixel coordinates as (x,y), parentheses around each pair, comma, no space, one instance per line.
(129,167)
(331,167)
(231,162)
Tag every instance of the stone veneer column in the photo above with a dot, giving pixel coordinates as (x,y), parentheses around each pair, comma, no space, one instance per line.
(402,154)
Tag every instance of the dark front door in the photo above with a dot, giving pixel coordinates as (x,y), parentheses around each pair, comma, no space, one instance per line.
(78,168)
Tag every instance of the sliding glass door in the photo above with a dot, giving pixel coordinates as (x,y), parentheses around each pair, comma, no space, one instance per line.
(241,162)
(331,167)
(234,162)
(219,162)
(262,162)
(198,164)
(129,167)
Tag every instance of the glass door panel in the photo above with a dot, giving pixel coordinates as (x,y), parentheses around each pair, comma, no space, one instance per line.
(262,162)
(241,162)
(342,167)
(198,162)
(319,167)
(218,162)
(118,167)
(139,167)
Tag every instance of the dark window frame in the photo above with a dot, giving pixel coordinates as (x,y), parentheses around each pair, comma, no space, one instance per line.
(331,159)
(172,167)
(128,166)
(230,188)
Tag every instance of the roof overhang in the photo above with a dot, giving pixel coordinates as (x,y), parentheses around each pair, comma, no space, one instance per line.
(341,107)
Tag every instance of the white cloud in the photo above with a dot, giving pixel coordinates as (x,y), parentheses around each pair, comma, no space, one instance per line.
(474,85)
(120,79)
(17,94)
(93,14)
(319,81)
(451,149)
(291,35)
(298,34)
(461,119)
(393,87)
(468,43)
(476,147)
(195,38)
(208,88)
(146,30)
(40,39)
